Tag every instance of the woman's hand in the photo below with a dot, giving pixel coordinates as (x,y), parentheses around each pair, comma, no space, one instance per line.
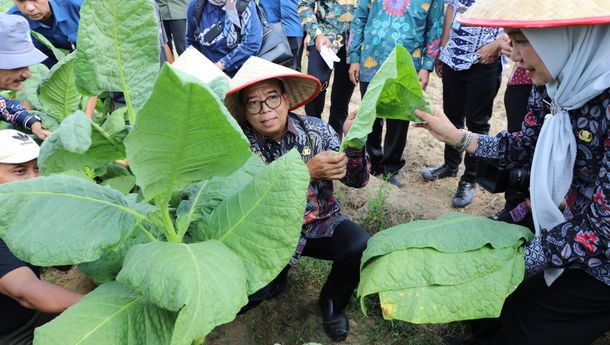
(439,126)
(327,165)
(354,73)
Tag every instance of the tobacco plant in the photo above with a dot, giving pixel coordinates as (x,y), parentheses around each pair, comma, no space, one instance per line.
(206,224)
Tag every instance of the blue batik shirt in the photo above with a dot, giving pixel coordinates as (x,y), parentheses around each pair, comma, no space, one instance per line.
(63,30)
(464,41)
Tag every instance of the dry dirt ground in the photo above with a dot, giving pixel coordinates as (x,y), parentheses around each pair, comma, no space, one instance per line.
(293,317)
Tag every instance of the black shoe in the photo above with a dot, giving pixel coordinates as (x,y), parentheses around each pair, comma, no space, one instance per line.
(335,323)
(464,194)
(503,216)
(394,180)
(435,173)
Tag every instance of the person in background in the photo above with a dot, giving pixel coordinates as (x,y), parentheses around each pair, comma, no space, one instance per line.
(219,37)
(565,296)
(518,89)
(261,97)
(26,302)
(377,28)
(328,22)
(471,73)
(285,11)
(173,13)
(56,20)
(17,53)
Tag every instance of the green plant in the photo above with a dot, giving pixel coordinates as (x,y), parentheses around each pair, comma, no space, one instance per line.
(208,223)
(471,265)
(374,218)
(393,93)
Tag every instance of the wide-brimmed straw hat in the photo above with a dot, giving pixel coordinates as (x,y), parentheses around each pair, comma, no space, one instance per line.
(536,13)
(17,48)
(301,88)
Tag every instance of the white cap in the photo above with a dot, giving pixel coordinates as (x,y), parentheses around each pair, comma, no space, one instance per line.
(16,147)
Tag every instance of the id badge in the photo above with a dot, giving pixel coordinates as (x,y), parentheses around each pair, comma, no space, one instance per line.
(454,24)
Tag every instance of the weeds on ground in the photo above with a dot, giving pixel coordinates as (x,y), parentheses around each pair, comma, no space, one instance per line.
(374,220)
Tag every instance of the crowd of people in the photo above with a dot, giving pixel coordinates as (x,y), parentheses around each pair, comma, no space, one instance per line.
(557,103)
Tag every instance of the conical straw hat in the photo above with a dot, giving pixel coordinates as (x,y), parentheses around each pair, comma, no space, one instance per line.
(301,88)
(536,13)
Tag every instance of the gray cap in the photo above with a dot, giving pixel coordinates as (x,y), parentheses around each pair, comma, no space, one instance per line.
(17,49)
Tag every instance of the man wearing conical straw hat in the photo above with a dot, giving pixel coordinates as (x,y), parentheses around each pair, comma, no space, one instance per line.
(564,46)
(261,97)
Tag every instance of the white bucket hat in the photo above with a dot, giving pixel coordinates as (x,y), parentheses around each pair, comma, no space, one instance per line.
(301,88)
(16,147)
(17,49)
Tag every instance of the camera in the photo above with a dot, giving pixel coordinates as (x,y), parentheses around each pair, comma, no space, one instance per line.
(496,179)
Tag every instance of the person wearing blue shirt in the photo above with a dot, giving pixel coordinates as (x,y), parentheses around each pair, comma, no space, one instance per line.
(285,11)
(56,20)
(219,38)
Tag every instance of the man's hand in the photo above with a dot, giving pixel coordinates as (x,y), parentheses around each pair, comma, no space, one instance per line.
(320,41)
(39,131)
(327,165)
(438,68)
(354,73)
(220,65)
(424,77)
(348,122)
(489,52)
(505,47)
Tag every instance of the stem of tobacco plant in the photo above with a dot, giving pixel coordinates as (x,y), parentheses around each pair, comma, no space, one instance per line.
(169,229)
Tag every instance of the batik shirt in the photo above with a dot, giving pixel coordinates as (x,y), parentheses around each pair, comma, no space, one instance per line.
(583,240)
(310,136)
(464,41)
(379,25)
(12,111)
(331,19)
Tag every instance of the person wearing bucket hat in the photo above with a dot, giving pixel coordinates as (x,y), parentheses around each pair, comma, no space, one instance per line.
(17,53)
(56,20)
(26,302)
(564,46)
(261,97)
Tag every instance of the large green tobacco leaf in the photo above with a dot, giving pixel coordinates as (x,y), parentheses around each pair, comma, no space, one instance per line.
(111,314)
(451,233)
(200,199)
(58,53)
(62,220)
(5,5)
(118,48)
(183,134)
(262,222)
(453,268)
(481,297)
(205,282)
(393,93)
(79,143)
(58,93)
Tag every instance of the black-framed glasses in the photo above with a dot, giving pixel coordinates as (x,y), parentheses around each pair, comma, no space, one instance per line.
(272,102)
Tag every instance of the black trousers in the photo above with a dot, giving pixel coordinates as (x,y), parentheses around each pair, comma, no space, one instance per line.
(345,249)
(386,160)
(341,92)
(468,97)
(176,33)
(574,310)
(515,103)
(296,46)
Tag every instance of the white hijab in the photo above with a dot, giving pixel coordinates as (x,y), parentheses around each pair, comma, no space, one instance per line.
(578,58)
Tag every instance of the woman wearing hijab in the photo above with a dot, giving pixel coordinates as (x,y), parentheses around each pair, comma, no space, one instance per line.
(227,32)
(564,47)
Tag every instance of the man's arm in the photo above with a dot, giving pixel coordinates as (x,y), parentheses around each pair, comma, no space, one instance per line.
(23,285)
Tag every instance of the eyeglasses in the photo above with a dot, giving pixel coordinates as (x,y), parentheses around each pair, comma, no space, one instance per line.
(272,102)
